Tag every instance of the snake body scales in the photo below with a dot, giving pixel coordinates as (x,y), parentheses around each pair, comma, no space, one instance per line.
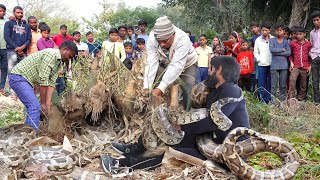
(159,131)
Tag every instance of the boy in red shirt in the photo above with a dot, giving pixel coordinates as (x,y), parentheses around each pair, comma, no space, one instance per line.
(246,61)
(300,65)
(60,38)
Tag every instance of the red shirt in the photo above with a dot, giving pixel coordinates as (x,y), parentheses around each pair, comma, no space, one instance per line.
(245,59)
(299,54)
(235,48)
(58,39)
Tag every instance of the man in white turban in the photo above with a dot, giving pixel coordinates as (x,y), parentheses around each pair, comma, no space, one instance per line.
(169,49)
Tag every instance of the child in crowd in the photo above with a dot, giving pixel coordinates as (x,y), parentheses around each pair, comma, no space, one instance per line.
(217,46)
(140,46)
(113,46)
(287,34)
(130,31)
(204,57)
(280,49)
(263,57)
(299,64)
(234,38)
(245,59)
(131,55)
(218,51)
(255,30)
(45,41)
(314,53)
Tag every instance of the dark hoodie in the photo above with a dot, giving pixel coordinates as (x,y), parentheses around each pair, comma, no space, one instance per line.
(16,34)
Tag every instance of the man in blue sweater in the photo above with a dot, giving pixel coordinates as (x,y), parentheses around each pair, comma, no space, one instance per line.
(17,34)
(280,49)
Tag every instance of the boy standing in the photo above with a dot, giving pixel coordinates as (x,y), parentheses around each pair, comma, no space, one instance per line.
(263,57)
(141,46)
(39,68)
(141,33)
(315,55)
(255,29)
(280,49)
(204,57)
(113,47)
(299,64)
(63,36)
(130,31)
(3,50)
(245,59)
(45,42)
(131,55)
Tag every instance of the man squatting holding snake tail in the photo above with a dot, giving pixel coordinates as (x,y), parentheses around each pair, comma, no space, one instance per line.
(40,68)
(222,80)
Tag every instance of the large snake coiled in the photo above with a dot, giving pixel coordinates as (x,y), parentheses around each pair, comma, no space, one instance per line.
(230,152)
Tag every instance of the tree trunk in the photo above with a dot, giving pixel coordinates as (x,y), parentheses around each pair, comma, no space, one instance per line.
(299,13)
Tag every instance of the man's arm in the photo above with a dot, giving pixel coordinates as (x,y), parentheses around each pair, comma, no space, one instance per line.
(29,36)
(272,47)
(207,125)
(256,51)
(152,63)
(7,35)
(122,52)
(177,65)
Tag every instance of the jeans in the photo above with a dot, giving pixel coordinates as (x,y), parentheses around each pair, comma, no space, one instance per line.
(279,77)
(13,60)
(264,83)
(26,95)
(202,74)
(315,63)
(303,76)
(3,67)
(253,83)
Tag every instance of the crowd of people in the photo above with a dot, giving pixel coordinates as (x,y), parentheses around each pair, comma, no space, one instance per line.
(29,57)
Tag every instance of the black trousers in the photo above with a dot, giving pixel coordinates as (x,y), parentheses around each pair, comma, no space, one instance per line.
(138,161)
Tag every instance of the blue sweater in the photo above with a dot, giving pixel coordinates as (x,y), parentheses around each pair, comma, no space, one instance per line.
(279,57)
(17,34)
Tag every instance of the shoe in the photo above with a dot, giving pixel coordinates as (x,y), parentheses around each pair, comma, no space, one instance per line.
(121,148)
(109,164)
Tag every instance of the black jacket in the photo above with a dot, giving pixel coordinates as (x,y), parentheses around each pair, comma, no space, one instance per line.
(236,112)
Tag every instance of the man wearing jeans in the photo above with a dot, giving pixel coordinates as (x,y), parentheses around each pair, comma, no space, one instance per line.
(315,53)
(263,56)
(3,50)
(169,48)
(17,34)
(40,68)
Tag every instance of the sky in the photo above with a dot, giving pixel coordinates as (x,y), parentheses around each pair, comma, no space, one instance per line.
(87,8)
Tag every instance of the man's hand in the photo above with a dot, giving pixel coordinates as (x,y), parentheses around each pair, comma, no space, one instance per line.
(309,70)
(44,109)
(157,92)
(291,66)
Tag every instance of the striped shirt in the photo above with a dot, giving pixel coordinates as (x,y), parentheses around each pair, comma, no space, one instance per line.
(40,67)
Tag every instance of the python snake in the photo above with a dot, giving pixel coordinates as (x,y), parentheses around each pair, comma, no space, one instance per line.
(15,155)
(158,131)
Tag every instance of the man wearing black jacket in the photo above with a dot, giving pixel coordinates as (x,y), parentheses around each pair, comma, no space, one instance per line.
(222,79)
